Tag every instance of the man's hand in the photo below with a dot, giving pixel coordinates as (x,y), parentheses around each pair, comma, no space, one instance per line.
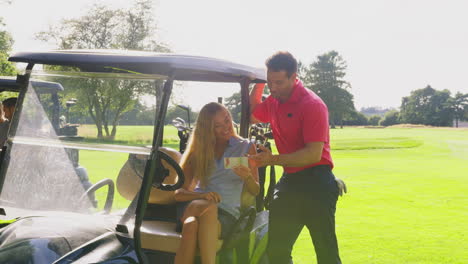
(341,186)
(263,158)
(212,196)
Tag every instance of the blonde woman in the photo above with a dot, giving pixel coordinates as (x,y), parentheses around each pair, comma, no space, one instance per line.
(209,201)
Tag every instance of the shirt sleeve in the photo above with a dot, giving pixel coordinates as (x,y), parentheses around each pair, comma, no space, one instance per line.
(261,112)
(315,123)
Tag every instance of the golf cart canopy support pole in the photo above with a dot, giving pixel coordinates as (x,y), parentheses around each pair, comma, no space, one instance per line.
(151,168)
(245,110)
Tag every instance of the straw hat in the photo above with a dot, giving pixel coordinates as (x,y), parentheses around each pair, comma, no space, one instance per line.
(131,174)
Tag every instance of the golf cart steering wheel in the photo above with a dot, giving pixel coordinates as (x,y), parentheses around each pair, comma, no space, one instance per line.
(177,168)
(97,186)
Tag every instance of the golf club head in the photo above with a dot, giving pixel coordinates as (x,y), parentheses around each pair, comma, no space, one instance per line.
(182,121)
(179,125)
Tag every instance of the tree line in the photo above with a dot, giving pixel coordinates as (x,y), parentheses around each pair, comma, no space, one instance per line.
(425,106)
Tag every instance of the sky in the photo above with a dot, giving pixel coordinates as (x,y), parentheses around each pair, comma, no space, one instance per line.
(391,46)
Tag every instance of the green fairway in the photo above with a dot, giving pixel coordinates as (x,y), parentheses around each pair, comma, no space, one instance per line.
(132,135)
(406,200)
(405,205)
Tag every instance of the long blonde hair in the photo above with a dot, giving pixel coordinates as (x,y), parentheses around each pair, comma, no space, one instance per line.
(200,154)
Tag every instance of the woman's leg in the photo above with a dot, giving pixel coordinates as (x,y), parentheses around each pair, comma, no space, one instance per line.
(188,244)
(209,230)
(206,214)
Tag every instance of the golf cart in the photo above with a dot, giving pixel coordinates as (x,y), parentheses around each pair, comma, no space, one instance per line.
(45,213)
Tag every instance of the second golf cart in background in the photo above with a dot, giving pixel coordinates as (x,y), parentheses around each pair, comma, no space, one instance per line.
(49,94)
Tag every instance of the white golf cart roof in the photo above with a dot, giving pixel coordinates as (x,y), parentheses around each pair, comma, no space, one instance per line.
(162,65)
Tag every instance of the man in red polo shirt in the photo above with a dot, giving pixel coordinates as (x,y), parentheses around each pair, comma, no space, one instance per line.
(307,192)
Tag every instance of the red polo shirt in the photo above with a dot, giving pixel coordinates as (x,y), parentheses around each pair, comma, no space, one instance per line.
(303,118)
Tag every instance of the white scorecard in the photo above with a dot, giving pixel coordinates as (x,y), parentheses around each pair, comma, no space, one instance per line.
(232,162)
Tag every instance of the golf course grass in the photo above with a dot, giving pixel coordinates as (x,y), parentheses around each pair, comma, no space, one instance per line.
(406,200)
(404,205)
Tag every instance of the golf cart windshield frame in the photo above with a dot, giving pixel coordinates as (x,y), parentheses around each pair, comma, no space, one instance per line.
(170,67)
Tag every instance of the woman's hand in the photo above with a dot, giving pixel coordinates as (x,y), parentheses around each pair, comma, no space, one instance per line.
(212,196)
(243,172)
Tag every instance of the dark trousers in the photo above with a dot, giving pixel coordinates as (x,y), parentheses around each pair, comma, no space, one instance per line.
(306,198)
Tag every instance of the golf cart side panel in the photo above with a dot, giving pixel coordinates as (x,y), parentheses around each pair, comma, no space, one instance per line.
(107,248)
(44,239)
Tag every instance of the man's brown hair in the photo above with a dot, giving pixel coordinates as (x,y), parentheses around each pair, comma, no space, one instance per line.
(282,61)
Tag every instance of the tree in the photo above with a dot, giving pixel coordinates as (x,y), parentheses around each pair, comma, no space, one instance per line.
(427,106)
(6,43)
(459,106)
(390,118)
(325,77)
(105,28)
(233,104)
(174,111)
(355,119)
(343,106)
(374,120)
(139,115)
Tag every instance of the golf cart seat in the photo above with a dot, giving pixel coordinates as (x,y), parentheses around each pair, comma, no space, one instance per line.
(158,230)
(162,236)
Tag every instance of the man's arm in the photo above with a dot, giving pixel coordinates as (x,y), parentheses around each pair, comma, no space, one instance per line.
(255,99)
(310,154)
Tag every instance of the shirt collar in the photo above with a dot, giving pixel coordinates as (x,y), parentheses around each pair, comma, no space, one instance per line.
(297,92)
(232,141)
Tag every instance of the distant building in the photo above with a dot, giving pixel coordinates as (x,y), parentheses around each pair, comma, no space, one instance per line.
(461,124)
(375,111)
